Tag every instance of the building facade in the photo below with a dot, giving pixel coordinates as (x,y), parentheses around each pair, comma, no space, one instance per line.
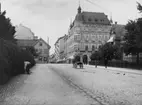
(42,48)
(60,48)
(86,33)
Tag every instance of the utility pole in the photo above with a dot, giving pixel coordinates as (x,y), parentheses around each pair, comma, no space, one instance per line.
(0,8)
(47,39)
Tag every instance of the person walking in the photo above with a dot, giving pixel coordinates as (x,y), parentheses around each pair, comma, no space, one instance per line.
(106,62)
(27,66)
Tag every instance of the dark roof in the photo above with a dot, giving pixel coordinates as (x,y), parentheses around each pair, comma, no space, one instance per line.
(25,42)
(92,18)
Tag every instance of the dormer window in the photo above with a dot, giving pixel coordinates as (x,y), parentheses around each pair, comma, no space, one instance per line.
(96,20)
(89,19)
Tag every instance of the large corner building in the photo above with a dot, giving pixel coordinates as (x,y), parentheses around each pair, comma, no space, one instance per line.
(86,33)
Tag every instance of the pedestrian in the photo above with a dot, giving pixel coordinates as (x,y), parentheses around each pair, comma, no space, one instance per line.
(96,63)
(106,62)
(27,66)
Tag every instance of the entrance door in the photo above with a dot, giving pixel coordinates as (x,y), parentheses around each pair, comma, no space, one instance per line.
(85,59)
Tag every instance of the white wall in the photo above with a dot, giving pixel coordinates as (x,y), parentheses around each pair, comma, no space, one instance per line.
(44,48)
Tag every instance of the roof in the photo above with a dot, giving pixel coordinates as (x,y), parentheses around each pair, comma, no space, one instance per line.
(119,30)
(45,43)
(26,42)
(111,39)
(92,18)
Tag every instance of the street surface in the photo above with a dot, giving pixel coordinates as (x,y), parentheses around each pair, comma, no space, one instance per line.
(61,84)
(43,87)
(111,86)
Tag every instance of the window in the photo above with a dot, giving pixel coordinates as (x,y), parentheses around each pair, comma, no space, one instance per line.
(40,58)
(89,19)
(102,20)
(93,47)
(78,37)
(86,48)
(96,20)
(40,44)
(86,37)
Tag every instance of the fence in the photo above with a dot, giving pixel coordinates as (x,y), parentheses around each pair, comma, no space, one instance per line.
(121,64)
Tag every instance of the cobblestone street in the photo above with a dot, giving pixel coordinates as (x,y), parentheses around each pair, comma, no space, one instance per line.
(42,87)
(61,84)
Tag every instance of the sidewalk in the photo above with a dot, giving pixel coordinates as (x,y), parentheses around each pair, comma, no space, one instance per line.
(134,71)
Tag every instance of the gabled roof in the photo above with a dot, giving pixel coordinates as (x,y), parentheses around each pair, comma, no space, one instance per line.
(44,42)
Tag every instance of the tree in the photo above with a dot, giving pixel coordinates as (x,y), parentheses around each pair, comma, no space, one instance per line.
(32,50)
(133,37)
(139,7)
(7,30)
(110,51)
(95,56)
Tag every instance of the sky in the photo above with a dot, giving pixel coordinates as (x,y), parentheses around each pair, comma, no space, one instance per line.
(51,18)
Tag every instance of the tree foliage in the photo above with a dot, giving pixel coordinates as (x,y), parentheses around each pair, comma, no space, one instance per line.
(7,30)
(32,50)
(130,45)
(108,51)
(95,55)
(139,7)
(133,37)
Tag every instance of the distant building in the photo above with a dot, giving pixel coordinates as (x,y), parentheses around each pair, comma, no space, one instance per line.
(41,47)
(117,33)
(86,33)
(23,32)
(52,58)
(60,48)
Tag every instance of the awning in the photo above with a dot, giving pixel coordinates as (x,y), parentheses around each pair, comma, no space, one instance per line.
(111,39)
(71,57)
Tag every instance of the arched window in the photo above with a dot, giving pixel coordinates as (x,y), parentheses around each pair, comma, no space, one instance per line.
(86,48)
(93,47)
